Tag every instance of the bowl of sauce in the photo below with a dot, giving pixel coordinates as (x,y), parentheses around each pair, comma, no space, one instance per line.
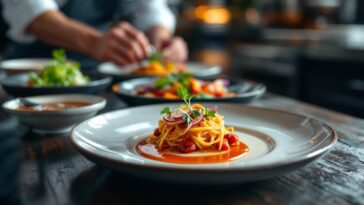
(54,113)
(54,106)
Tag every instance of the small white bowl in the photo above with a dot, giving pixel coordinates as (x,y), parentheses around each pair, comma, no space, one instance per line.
(56,121)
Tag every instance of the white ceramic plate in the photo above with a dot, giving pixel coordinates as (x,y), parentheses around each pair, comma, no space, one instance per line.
(15,85)
(279,142)
(245,91)
(124,72)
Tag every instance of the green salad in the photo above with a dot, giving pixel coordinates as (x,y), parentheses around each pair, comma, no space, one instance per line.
(59,72)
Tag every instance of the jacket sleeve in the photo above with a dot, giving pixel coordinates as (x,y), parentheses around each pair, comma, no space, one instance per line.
(20,13)
(151,13)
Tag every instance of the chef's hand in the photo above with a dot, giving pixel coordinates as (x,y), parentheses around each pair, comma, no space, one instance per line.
(173,49)
(122,44)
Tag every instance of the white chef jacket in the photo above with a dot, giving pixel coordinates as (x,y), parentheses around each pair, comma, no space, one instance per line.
(20,13)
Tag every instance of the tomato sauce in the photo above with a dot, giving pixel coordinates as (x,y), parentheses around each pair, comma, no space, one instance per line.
(150,151)
(53,106)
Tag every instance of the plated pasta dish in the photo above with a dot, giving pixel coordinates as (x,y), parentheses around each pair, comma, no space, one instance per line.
(166,87)
(192,133)
(156,66)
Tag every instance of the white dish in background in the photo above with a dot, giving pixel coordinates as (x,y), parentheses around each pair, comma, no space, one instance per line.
(56,121)
(245,90)
(196,69)
(203,70)
(14,66)
(16,85)
(279,142)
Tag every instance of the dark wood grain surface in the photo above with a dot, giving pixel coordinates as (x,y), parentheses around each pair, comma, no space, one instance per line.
(50,171)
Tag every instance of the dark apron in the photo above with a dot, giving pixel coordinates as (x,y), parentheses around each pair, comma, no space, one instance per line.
(99,14)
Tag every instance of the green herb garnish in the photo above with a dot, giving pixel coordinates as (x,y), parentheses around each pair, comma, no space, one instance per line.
(196,113)
(182,78)
(59,56)
(185,95)
(209,113)
(156,56)
(190,114)
(166,111)
(59,72)
(162,82)
(187,118)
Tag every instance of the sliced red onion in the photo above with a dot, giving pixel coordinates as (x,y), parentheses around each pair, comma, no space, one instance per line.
(197,119)
(214,108)
(194,122)
(149,88)
(225,82)
(173,121)
(177,117)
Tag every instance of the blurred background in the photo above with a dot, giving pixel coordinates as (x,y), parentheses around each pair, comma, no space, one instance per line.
(311,50)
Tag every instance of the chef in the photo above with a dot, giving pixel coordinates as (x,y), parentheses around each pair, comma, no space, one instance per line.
(121,31)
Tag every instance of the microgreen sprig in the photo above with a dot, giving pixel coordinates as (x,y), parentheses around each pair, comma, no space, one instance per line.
(186,96)
(156,56)
(209,112)
(166,111)
(191,113)
(181,78)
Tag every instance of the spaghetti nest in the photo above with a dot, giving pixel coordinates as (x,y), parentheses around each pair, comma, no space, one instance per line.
(191,128)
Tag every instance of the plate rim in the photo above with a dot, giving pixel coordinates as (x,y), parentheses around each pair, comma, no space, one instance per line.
(6,61)
(99,80)
(101,71)
(307,157)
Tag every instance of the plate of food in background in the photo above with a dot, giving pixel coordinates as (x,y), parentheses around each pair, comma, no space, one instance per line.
(155,66)
(58,76)
(150,90)
(16,66)
(207,143)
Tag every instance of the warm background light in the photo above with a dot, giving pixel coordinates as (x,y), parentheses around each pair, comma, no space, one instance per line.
(213,14)
(200,11)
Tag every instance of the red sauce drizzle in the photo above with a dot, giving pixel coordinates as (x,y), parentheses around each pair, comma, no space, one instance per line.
(150,151)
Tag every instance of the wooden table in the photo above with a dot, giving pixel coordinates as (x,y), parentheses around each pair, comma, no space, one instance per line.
(50,171)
